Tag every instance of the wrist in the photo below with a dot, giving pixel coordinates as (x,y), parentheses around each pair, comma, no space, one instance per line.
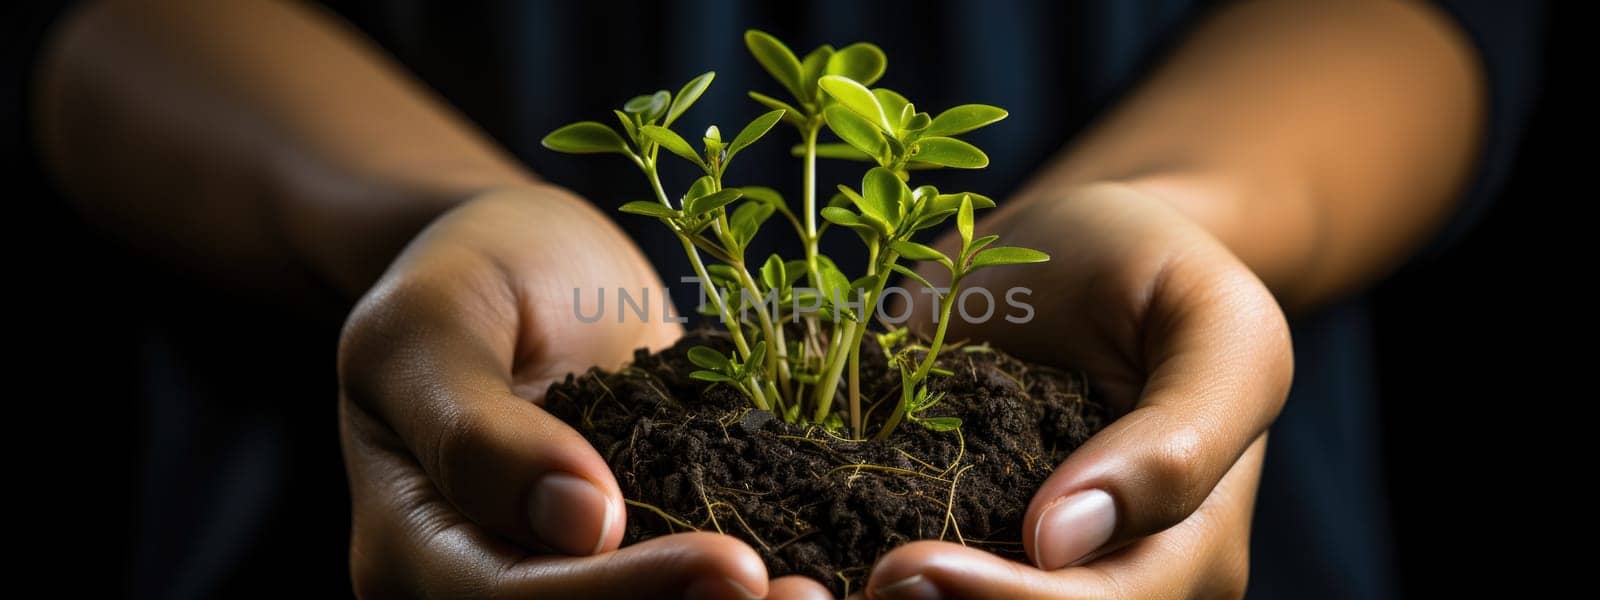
(1270,223)
(345,229)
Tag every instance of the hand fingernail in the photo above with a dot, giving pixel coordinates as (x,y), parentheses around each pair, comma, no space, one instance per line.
(915,587)
(570,514)
(1073,527)
(718,588)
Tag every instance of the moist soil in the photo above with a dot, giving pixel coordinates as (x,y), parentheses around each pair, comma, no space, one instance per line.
(693,456)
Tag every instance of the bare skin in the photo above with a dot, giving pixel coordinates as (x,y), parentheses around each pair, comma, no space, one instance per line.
(1285,154)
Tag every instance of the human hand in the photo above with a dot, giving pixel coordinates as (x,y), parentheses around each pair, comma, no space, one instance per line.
(461,485)
(1191,352)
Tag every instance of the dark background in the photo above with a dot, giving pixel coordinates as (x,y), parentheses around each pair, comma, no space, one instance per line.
(1483,354)
(1478,351)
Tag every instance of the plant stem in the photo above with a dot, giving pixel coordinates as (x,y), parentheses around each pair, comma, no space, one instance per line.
(853,388)
(809,196)
(869,305)
(756,395)
(946,304)
(777,354)
(854,330)
(809,192)
(908,385)
(898,413)
(734,328)
(834,363)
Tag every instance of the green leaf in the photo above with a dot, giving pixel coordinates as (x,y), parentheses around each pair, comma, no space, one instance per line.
(941,424)
(918,401)
(868,228)
(950,152)
(703,186)
(773,274)
(585,137)
(861,62)
(673,143)
(649,108)
(795,269)
(833,421)
(752,132)
(834,151)
(777,59)
(885,194)
(840,216)
(952,202)
(833,281)
(649,209)
(712,201)
(858,98)
(688,95)
(979,244)
(918,122)
(627,124)
(913,251)
(854,198)
(932,218)
(710,359)
(921,196)
(747,219)
(711,376)
(904,270)
(813,67)
(761,194)
(861,285)
(964,221)
(964,118)
(721,272)
(1007,255)
(791,115)
(638,105)
(855,130)
(757,353)
(892,102)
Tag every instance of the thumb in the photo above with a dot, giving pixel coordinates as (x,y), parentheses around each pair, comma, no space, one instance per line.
(1216,349)
(433,365)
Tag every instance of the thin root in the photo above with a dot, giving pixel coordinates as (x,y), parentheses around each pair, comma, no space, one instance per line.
(661,513)
(949,517)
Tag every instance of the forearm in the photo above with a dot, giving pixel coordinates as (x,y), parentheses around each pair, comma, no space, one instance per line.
(1322,142)
(258,142)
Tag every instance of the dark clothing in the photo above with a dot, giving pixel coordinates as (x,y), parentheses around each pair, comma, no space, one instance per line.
(1321,529)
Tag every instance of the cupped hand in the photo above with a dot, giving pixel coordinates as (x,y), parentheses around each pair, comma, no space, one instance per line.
(1192,354)
(461,484)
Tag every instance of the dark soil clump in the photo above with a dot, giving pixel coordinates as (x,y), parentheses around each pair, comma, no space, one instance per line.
(688,456)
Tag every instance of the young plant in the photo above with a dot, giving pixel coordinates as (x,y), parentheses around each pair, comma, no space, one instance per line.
(799,380)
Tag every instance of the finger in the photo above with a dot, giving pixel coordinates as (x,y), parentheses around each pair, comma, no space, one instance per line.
(1219,368)
(797,587)
(1206,556)
(930,570)
(699,566)
(408,541)
(1175,330)
(430,353)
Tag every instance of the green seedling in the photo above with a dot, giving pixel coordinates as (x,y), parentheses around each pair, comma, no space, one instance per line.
(827,90)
